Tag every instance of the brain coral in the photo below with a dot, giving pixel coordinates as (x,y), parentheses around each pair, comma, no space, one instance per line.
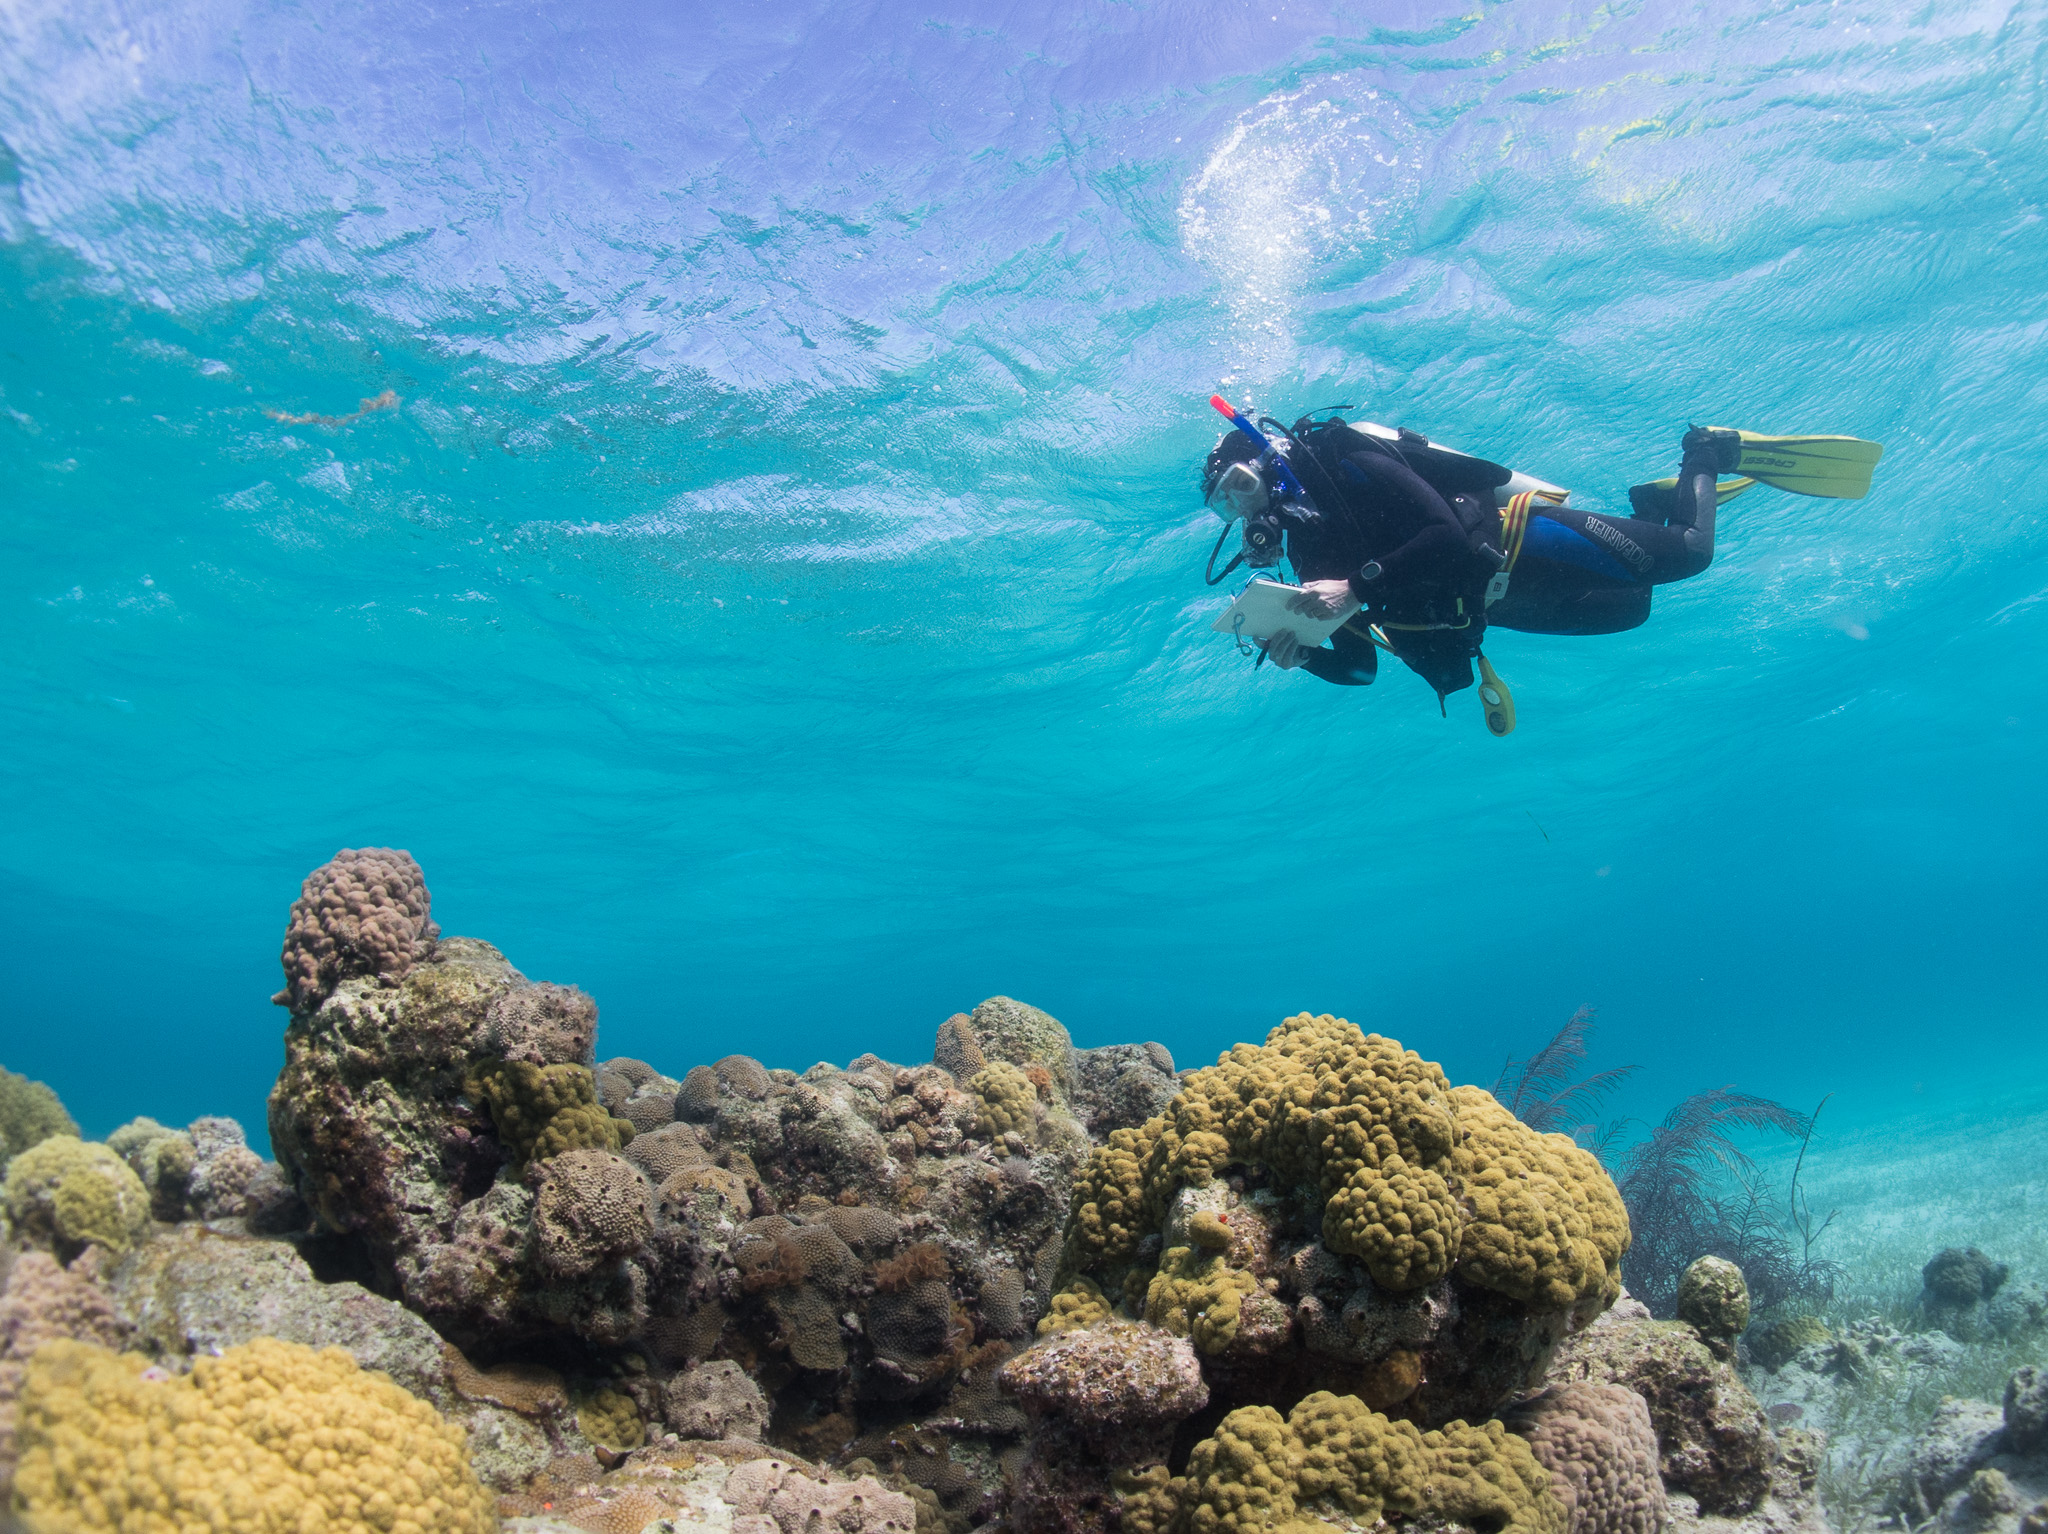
(1418,1179)
(29,1114)
(67,1194)
(1264,1471)
(1597,1442)
(268,1438)
(363,912)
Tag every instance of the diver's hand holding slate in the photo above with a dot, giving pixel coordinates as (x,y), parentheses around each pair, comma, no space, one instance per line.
(1265,608)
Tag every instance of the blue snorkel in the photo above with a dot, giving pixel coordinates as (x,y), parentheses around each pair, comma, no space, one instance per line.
(1269,455)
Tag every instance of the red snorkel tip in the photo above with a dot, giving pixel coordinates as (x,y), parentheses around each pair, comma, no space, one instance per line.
(1223,406)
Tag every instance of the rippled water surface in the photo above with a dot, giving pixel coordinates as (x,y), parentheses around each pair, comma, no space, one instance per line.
(773,599)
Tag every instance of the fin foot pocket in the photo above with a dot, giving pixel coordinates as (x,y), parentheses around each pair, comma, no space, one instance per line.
(1495,699)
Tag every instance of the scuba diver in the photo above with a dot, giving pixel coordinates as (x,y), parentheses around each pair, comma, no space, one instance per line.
(1419,549)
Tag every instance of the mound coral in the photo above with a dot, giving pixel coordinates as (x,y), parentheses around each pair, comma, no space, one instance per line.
(611,1418)
(1264,1471)
(591,1207)
(1772,1344)
(1417,1178)
(958,1051)
(542,1111)
(800,1505)
(1597,1442)
(29,1114)
(269,1437)
(715,1399)
(1007,1101)
(363,912)
(67,1194)
(1713,1299)
(1118,1376)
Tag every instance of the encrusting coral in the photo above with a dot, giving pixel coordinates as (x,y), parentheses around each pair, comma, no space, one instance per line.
(66,1194)
(268,1438)
(363,912)
(30,1113)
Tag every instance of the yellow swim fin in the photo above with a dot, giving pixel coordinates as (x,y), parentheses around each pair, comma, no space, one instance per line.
(1836,467)
(1495,698)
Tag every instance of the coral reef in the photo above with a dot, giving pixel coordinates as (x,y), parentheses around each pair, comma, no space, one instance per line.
(1314,1282)
(64,1195)
(269,1437)
(30,1113)
(361,913)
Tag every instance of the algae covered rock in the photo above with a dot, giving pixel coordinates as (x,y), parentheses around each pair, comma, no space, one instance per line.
(1776,1342)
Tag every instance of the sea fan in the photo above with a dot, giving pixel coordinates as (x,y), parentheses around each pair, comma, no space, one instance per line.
(1540,1092)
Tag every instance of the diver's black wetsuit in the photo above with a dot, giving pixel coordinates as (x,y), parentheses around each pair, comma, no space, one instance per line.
(1427,520)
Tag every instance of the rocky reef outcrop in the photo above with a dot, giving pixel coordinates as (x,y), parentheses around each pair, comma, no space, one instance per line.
(1019,1285)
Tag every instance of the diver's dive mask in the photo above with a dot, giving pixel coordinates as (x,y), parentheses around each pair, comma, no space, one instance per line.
(1240,494)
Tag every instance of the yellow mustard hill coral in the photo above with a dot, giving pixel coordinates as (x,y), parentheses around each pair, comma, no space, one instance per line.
(1196,1294)
(1006,1100)
(268,1438)
(67,1194)
(1417,1179)
(1081,1303)
(1264,1474)
(540,1111)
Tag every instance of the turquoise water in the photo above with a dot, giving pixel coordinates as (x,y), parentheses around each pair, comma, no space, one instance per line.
(774,603)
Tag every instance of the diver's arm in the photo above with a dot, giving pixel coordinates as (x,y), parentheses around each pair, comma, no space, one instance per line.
(1351,662)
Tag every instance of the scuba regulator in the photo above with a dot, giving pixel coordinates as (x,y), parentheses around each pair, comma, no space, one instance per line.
(1260,491)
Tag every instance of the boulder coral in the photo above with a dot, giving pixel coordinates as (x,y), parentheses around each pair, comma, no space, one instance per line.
(1597,1442)
(268,1438)
(30,1113)
(364,912)
(64,1195)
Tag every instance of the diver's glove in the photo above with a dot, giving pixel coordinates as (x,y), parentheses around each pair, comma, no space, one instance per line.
(1709,450)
